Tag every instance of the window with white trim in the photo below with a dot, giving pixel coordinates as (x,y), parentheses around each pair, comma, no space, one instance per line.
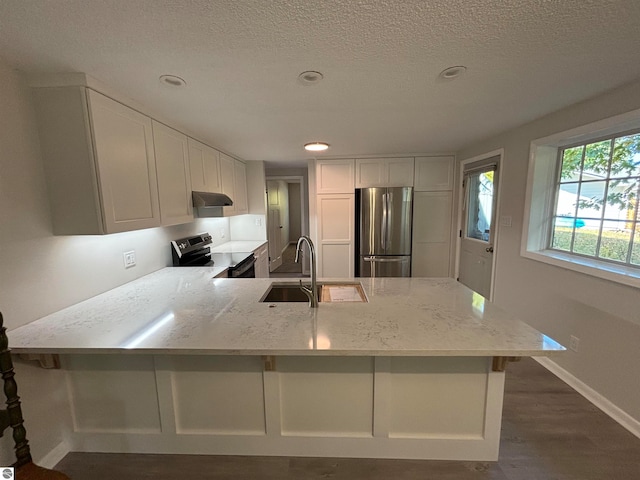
(596,204)
(582,210)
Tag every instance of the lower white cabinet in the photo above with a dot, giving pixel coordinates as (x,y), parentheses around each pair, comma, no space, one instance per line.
(431,234)
(336,231)
(262,261)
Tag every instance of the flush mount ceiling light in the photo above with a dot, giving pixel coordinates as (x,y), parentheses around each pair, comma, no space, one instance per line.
(310,77)
(172,81)
(452,72)
(316,146)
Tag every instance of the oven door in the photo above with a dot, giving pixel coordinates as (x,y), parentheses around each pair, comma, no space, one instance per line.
(245,269)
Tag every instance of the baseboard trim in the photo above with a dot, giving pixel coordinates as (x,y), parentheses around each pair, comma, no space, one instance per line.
(604,404)
(52,458)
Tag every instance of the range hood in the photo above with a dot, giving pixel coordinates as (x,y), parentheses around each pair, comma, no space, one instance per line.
(210,204)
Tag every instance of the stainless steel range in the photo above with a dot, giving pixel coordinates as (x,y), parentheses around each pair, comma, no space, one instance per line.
(195,251)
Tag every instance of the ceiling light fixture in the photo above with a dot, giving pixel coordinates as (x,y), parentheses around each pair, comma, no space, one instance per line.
(172,81)
(452,72)
(310,77)
(316,146)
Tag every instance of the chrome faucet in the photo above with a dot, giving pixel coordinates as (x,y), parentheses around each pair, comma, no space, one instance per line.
(312,292)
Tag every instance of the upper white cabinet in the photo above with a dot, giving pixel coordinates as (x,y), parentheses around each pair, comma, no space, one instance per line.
(234,184)
(384,172)
(240,185)
(174,179)
(335,176)
(433,173)
(204,165)
(99,161)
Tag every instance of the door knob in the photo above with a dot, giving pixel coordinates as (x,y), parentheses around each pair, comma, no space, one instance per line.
(489,249)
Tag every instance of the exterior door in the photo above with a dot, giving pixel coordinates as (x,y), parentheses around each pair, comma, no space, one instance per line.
(478,229)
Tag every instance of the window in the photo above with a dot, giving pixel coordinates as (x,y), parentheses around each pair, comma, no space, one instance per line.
(480,202)
(596,205)
(582,211)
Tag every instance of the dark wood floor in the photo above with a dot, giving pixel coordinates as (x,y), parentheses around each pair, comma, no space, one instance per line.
(549,432)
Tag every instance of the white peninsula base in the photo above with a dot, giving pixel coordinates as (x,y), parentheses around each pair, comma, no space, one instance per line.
(338,406)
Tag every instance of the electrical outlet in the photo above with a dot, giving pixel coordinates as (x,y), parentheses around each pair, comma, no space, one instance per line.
(129,259)
(574,343)
(258,222)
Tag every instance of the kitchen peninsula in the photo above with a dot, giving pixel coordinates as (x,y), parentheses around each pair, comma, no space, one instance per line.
(181,362)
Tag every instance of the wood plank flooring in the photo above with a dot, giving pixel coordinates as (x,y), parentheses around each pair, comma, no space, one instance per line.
(549,432)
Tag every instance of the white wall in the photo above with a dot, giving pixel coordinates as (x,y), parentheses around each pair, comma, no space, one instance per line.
(40,273)
(605,316)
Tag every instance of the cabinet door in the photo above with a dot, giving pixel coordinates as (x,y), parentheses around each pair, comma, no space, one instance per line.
(204,166)
(400,172)
(384,172)
(227,175)
(371,172)
(240,187)
(431,234)
(174,179)
(125,165)
(335,176)
(434,173)
(262,262)
(336,219)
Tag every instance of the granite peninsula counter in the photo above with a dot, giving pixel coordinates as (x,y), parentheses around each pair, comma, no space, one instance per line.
(180,362)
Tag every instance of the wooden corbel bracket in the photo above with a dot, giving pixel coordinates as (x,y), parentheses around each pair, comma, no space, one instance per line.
(500,363)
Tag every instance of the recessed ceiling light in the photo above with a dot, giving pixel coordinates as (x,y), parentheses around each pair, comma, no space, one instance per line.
(316,146)
(310,77)
(172,81)
(452,72)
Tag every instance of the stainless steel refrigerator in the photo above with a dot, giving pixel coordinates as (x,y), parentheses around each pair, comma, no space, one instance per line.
(383,231)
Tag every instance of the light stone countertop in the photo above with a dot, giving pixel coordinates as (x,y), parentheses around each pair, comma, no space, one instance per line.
(187,311)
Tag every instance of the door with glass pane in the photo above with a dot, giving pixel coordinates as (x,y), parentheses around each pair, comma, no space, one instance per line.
(478,228)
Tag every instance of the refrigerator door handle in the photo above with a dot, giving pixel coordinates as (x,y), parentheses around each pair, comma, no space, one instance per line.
(383,260)
(383,233)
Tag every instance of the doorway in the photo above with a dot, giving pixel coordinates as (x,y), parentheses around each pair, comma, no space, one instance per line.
(285,208)
(478,214)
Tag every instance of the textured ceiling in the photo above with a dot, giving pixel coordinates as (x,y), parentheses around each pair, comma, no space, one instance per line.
(380,59)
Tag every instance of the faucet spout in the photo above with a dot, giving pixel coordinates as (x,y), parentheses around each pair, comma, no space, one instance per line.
(312,292)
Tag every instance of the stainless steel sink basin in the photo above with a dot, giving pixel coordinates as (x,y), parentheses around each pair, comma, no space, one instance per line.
(286,292)
(290,292)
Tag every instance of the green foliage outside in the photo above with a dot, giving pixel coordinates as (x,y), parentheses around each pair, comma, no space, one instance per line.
(599,160)
(613,246)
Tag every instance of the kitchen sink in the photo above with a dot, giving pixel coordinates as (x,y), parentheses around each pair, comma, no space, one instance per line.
(327,292)
(286,292)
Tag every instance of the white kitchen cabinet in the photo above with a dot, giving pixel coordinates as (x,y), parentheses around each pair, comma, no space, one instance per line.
(335,176)
(240,187)
(262,261)
(99,161)
(204,166)
(234,184)
(384,172)
(431,234)
(174,179)
(336,232)
(433,173)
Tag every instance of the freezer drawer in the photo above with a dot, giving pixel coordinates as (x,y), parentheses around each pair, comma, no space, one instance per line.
(385,266)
